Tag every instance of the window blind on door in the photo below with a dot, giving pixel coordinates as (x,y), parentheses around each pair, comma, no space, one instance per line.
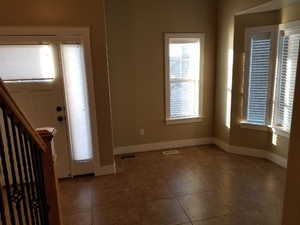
(259,79)
(27,62)
(77,99)
(288,59)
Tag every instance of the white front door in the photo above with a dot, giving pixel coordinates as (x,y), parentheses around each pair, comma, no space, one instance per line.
(42,103)
(40,76)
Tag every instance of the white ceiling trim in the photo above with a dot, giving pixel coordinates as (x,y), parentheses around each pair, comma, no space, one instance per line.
(269,6)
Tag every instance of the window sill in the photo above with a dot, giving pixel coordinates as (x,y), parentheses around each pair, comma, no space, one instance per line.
(281,132)
(255,126)
(28,81)
(184,120)
(275,130)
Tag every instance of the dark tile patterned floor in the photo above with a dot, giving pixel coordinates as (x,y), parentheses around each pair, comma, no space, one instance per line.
(199,186)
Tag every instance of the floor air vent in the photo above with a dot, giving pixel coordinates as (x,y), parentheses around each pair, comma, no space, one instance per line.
(171,152)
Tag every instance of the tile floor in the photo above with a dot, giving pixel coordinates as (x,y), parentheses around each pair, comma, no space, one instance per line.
(199,186)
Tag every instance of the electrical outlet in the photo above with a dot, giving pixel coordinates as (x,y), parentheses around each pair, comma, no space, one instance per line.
(142,132)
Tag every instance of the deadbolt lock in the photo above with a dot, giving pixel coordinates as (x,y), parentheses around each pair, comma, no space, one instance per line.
(60,118)
(59,109)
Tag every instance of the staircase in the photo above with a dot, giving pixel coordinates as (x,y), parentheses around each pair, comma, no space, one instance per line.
(28,185)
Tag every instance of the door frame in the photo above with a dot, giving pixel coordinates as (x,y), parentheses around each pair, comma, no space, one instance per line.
(61,33)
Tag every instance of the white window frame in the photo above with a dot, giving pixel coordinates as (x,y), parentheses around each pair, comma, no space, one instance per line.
(290,28)
(250,32)
(168,119)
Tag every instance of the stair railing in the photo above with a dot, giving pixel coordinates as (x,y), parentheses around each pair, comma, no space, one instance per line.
(28,185)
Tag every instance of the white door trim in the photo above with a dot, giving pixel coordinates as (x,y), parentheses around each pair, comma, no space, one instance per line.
(60,33)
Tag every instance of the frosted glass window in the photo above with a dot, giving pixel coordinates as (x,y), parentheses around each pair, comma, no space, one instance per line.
(184,76)
(26,62)
(77,100)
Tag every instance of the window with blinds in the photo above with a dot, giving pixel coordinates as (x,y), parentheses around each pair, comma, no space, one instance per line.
(259,77)
(260,74)
(286,78)
(183,75)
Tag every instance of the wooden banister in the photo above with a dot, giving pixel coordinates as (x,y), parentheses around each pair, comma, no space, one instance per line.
(30,194)
(7,100)
(50,181)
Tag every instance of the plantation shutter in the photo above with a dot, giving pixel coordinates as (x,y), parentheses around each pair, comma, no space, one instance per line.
(287,68)
(259,78)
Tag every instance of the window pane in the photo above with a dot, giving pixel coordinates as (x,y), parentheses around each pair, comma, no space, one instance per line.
(184,59)
(258,89)
(184,99)
(184,73)
(77,100)
(26,62)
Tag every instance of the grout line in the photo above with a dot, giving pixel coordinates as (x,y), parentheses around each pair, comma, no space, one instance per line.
(190,221)
(92,205)
(177,200)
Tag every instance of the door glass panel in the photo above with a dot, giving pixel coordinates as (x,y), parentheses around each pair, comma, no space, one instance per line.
(26,62)
(77,102)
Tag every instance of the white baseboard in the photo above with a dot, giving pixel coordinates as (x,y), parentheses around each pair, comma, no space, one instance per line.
(258,153)
(221,144)
(163,145)
(106,170)
(277,159)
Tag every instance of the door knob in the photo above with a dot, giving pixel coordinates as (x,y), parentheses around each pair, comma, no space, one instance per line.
(60,118)
(59,109)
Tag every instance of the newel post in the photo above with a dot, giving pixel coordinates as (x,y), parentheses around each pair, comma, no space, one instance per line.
(50,178)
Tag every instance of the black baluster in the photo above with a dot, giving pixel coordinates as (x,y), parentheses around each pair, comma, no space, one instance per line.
(39,185)
(15,194)
(5,168)
(26,171)
(32,179)
(20,197)
(2,210)
(2,207)
(43,192)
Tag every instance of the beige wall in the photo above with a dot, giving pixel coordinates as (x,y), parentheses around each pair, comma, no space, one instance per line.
(290,13)
(72,13)
(136,56)
(136,60)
